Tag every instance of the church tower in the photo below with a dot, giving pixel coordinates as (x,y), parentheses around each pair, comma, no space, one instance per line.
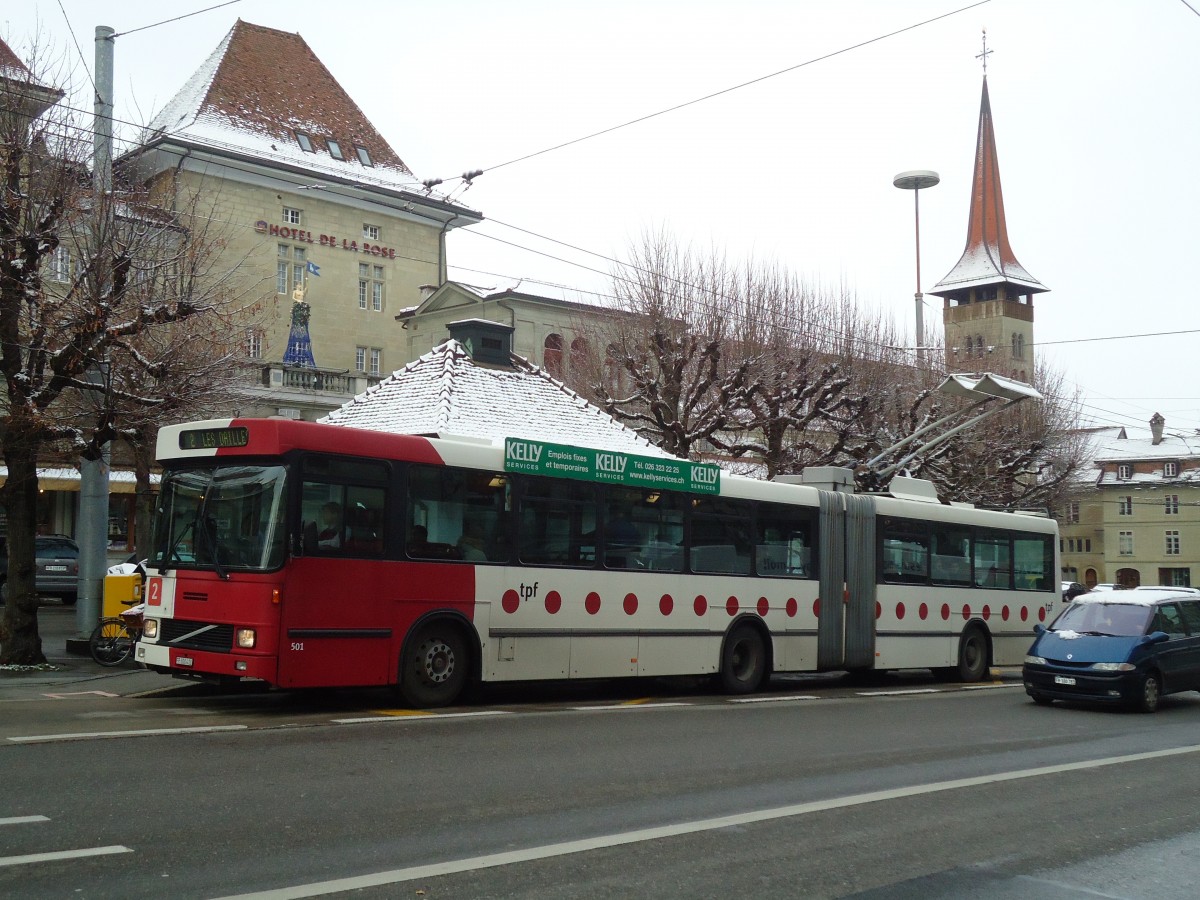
(988,295)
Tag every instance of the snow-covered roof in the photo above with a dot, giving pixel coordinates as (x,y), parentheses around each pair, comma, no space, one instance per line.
(18,80)
(988,258)
(446,392)
(257,90)
(1172,447)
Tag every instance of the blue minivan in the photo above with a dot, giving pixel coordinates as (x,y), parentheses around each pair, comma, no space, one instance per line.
(1127,647)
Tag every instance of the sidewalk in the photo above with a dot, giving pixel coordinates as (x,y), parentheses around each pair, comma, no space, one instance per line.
(56,626)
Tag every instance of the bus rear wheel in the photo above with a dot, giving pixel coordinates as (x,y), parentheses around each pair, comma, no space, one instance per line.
(433,670)
(743,661)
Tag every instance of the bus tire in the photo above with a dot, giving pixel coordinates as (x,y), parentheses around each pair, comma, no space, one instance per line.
(972,655)
(435,665)
(743,661)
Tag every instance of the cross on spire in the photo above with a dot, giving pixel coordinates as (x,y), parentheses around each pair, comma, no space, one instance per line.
(984,54)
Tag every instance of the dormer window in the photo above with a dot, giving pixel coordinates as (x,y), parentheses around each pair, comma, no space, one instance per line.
(335,149)
(363,156)
(1171,470)
(305,142)
(1125,471)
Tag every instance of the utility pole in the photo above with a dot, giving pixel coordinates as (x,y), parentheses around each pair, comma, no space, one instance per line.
(92,528)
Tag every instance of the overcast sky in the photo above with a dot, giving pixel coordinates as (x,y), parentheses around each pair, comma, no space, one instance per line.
(1094,102)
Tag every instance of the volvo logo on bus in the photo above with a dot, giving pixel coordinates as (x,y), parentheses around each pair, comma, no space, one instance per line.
(704,474)
(523,452)
(611,462)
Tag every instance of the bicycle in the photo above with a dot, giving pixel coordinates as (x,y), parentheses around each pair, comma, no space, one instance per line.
(112,640)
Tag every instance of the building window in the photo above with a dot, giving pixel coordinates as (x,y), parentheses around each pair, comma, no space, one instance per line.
(370,287)
(291,216)
(1171,504)
(254,343)
(363,156)
(289,268)
(60,264)
(371,232)
(1018,346)
(1172,543)
(552,355)
(1125,543)
(1124,506)
(1087,545)
(1125,471)
(1171,470)
(376,362)
(335,149)
(1071,513)
(305,142)
(360,359)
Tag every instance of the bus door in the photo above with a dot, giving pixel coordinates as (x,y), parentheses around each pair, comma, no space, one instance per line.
(846,623)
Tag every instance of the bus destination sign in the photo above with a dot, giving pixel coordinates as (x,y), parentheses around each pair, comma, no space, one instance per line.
(587,464)
(213,438)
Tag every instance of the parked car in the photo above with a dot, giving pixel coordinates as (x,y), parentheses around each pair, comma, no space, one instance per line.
(1072,589)
(1127,647)
(56,567)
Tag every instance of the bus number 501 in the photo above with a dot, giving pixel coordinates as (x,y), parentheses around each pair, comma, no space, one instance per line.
(297,646)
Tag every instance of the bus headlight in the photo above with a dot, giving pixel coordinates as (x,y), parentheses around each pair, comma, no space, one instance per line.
(150,628)
(246,638)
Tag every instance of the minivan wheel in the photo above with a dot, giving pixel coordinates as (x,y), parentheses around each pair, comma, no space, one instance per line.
(1149,693)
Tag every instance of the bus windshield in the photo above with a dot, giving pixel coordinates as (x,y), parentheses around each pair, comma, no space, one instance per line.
(222,517)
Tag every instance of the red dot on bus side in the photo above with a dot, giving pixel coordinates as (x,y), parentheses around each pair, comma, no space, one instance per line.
(631,604)
(817,607)
(592,603)
(701,604)
(1004,613)
(923,611)
(553,602)
(792,607)
(731,606)
(1041,614)
(511,602)
(946,611)
(966,610)
(987,612)
(878,609)
(763,606)
(1024,613)
(665,604)
(899,610)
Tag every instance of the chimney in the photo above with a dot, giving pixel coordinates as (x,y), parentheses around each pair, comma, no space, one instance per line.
(1156,428)
(487,342)
(427,291)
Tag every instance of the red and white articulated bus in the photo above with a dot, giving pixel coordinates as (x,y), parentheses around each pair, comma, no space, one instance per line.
(310,555)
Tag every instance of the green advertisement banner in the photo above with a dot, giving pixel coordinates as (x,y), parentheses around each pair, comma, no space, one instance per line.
(610,467)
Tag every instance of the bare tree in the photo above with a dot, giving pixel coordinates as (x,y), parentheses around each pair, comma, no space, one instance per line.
(671,346)
(93,289)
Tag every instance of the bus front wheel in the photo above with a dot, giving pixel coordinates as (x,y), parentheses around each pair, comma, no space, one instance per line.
(743,661)
(434,668)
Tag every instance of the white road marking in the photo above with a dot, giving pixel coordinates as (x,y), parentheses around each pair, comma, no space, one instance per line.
(990,687)
(23,820)
(773,699)
(61,854)
(92,735)
(620,706)
(899,693)
(80,694)
(565,848)
(416,716)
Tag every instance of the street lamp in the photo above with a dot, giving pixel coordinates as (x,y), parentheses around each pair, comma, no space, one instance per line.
(914,181)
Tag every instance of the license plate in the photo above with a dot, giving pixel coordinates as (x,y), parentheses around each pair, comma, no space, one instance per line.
(56,568)
(187,661)
(1062,679)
